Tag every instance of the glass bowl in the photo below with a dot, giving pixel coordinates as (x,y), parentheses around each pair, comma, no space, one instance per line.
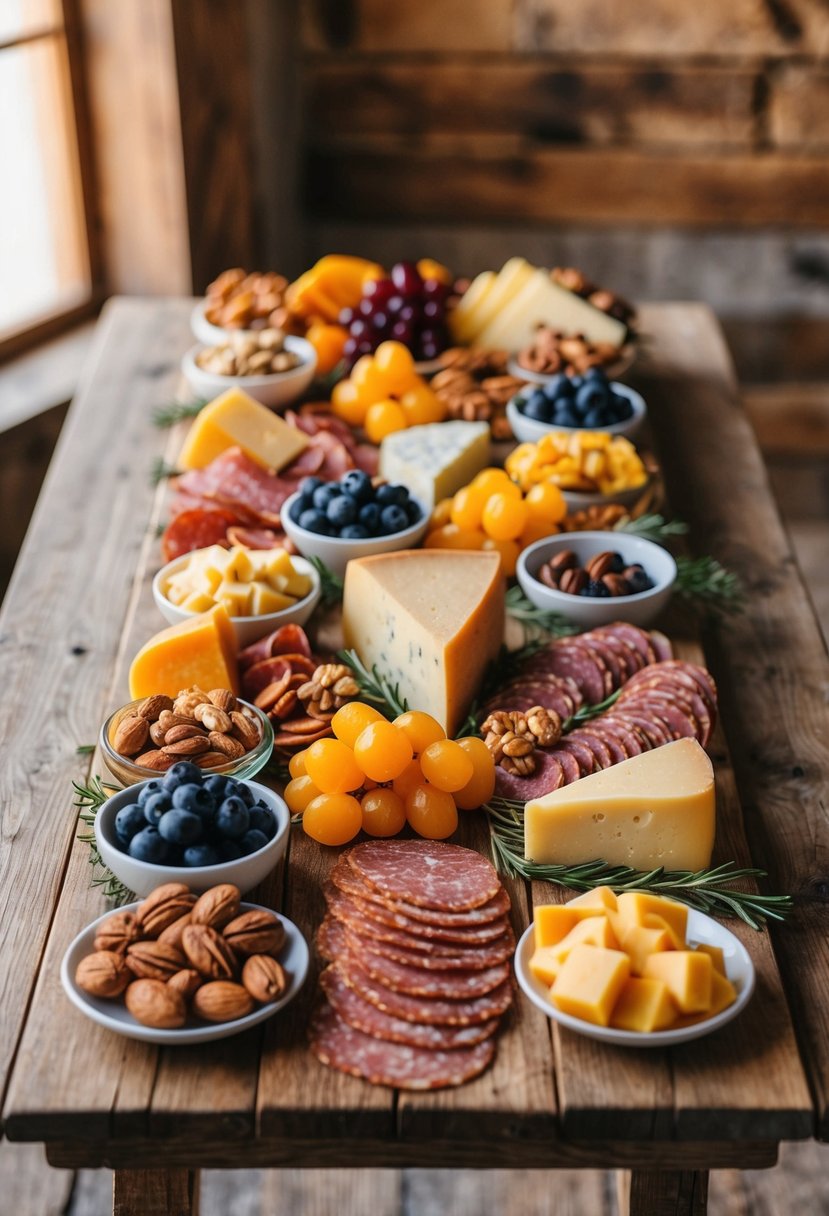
(129,773)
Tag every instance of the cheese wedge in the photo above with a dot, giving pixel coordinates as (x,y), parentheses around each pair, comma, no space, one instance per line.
(236,420)
(200,651)
(687,975)
(430,620)
(643,1005)
(512,277)
(656,809)
(462,317)
(541,301)
(435,460)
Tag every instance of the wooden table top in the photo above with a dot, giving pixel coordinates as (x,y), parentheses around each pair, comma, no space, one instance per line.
(78,609)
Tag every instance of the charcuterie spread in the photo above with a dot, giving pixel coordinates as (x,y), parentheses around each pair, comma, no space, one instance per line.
(345,622)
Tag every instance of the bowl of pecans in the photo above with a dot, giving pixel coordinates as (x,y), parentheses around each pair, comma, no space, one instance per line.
(272,367)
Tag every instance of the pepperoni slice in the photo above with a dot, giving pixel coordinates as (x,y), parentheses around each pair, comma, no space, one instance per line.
(255,538)
(196,529)
(431,874)
(548,776)
(373,919)
(270,671)
(287,640)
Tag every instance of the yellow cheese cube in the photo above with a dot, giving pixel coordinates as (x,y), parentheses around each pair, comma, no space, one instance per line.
(296,584)
(597,902)
(654,912)
(551,923)
(643,1005)
(723,994)
(717,956)
(235,597)
(263,600)
(200,651)
(235,420)
(639,943)
(197,601)
(545,964)
(687,975)
(592,931)
(589,983)
(240,568)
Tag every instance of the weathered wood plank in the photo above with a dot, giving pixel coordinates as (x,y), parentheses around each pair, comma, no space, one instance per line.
(155,1192)
(790,419)
(373,25)
(798,107)
(658,1193)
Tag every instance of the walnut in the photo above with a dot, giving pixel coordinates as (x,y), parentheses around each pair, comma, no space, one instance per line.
(544,725)
(331,685)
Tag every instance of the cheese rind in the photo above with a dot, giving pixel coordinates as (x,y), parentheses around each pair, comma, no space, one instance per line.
(435,460)
(235,420)
(656,809)
(430,620)
(200,651)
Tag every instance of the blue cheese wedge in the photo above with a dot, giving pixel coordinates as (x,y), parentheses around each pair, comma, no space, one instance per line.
(434,461)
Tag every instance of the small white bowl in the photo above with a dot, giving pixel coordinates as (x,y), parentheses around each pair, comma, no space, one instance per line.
(210,334)
(585,611)
(114,1015)
(337,553)
(144,876)
(621,364)
(530,430)
(248,629)
(580,500)
(276,389)
(701,929)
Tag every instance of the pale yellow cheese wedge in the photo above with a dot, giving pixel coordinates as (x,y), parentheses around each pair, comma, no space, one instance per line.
(200,651)
(688,976)
(461,319)
(263,599)
(590,982)
(643,1005)
(235,420)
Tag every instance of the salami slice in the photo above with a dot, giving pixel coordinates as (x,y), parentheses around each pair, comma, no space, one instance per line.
(423,1009)
(370,918)
(256,538)
(548,776)
(603,755)
(608,657)
(418,981)
(431,874)
(662,646)
(401,1065)
(574,663)
(583,754)
(233,478)
(288,639)
(364,1016)
(270,671)
(467,958)
(344,877)
(195,529)
(638,638)
(556,694)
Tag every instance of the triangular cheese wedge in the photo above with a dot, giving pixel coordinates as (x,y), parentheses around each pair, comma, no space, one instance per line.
(656,809)
(541,301)
(431,621)
(235,420)
(200,651)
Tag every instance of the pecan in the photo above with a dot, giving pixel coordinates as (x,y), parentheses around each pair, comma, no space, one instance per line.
(153,706)
(185,982)
(154,960)
(230,748)
(171,936)
(223,699)
(572,582)
(104,973)
(616,584)
(208,953)
(222,1002)
(284,707)
(162,907)
(255,932)
(155,760)
(548,576)
(187,747)
(116,932)
(244,730)
(217,906)
(271,693)
(130,735)
(212,718)
(600,564)
(264,978)
(565,559)
(153,1003)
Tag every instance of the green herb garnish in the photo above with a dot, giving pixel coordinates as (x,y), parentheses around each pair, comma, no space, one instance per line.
(177,411)
(89,799)
(374,686)
(331,583)
(708,587)
(537,623)
(653,527)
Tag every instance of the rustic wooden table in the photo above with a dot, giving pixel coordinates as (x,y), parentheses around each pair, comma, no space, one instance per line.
(78,608)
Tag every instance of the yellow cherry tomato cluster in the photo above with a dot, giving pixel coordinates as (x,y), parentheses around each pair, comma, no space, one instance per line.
(384,394)
(377,776)
(492,513)
(589,461)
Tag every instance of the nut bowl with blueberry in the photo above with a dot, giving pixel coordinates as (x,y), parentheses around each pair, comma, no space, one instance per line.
(337,521)
(580,402)
(191,826)
(594,578)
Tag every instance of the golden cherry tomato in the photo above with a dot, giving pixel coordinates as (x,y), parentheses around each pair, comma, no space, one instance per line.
(442,513)
(328,341)
(382,751)
(296,764)
(450,536)
(332,767)
(299,792)
(503,517)
(384,418)
(508,550)
(468,507)
(446,765)
(421,728)
(394,363)
(534,529)
(495,481)
(333,819)
(411,776)
(428,268)
(546,502)
(384,812)
(347,404)
(351,719)
(481,786)
(431,812)
(422,406)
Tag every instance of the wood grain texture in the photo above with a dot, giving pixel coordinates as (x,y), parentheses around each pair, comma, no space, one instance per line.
(657,1193)
(373,25)
(155,1193)
(790,419)
(798,107)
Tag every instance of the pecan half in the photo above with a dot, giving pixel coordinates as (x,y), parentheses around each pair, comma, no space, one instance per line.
(255,932)
(217,906)
(208,952)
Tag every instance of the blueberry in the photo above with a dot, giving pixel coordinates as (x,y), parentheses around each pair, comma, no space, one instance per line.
(370,517)
(391,495)
(129,820)
(536,410)
(148,845)
(595,590)
(149,788)
(354,532)
(180,774)
(342,511)
(591,397)
(393,519)
(308,485)
(325,494)
(262,820)
(315,521)
(180,827)
(245,793)
(622,406)
(558,386)
(217,785)
(201,855)
(156,806)
(229,850)
(594,419)
(595,375)
(233,818)
(566,417)
(195,799)
(358,485)
(413,511)
(639,581)
(252,841)
(537,398)
(576,381)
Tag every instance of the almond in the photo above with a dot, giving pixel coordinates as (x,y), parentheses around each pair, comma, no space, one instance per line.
(103,973)
(222,1002)
(264,978)
(130,735)
(244,730)
(210,759)
(231,749)
(176,733)
(153,1003)
(167,720)
(187,747)
(153,706)
(157,734)
(157,761)
(222,698)
(186,982)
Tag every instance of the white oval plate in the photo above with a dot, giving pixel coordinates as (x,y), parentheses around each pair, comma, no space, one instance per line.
(701,929)
(115,1016)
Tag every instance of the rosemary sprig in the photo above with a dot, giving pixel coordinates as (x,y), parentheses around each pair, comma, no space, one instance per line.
(85,749)
(709,890)
(709,587)
(161,470)
(89,799)
(331,583)
(374,686)
(586,712)
(495,677)
(653,527)
(537,623)
(177,411)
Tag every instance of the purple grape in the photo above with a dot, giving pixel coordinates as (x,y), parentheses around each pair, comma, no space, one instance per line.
(346,317)
(428,350)
(350,348)
(409,313)
(434,289)
(434,310)
(380,321)
(378,289)
(394,304)
(366,307)
(406,278)
(365,347)
(402,331)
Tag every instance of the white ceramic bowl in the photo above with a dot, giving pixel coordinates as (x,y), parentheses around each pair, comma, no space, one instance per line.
(114,1015)
(623,361)
(248,629)
(210,334)
(580,500)
(530,430)
(276,389)
(144,876)
(337,553)
(588,612)
(701,929)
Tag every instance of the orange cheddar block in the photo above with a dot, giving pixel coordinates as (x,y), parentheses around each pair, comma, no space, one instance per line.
(654,912)
(200,651)
(590,982)
(717,956)
(723,994)
(640,942)
(545,964)
(235,420)
(597,902)
(552,923)
(688,976)
(644,1005)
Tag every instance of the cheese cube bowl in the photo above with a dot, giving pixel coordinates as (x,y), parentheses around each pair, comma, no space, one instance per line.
(587,612)
(530,430)
(144,876)
(337,552)
(274,390)
(248,629)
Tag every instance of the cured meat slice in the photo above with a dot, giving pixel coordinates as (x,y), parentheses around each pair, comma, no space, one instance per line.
(257,538)
(638,638)
(344,877)
(364,1016)
(651,729)
(553,693)
(608,657)
(583,754)
(467,958)
(288,639)
(366,918)
(431,874)
(603,755)
(662,646)
(548,776)
(401,1065)
(418,981)
(233,478)
(432,1012)
(574,663)
(195,529)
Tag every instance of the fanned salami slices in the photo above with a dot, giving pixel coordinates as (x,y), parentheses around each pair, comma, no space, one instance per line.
(344,877)
(431,874)
(196,528)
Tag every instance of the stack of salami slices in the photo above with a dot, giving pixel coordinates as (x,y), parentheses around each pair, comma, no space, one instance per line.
(419,944)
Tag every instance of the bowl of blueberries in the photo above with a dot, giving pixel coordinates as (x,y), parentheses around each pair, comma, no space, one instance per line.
(336,521)
(193,827)
(594,578)
(573,403)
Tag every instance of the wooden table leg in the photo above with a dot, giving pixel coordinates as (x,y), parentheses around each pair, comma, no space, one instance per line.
(155,1193)
(662,1192)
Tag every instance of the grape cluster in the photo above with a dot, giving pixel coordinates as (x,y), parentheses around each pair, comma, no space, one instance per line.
(353,508)
(406,307)
(578,401)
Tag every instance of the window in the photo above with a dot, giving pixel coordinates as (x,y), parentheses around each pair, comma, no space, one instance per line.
(44,249)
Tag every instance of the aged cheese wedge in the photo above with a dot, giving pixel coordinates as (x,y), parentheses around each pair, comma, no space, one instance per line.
(435,460)
(511,278)
(199,651)
(430,620)
(236,420)
(590,982)
(643,1005)
(540,300)
(462,318)
(656,809)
